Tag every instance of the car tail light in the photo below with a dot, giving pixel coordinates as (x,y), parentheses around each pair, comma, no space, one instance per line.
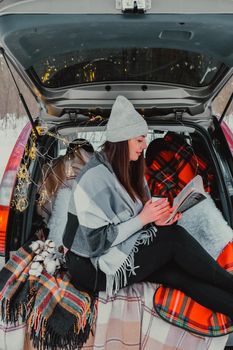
(8,183)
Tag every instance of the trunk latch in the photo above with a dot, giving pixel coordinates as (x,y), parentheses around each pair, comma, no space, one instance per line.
(133,6)
(73,116)
(179,115)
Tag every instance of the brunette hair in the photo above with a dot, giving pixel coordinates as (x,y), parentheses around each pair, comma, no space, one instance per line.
(129,173)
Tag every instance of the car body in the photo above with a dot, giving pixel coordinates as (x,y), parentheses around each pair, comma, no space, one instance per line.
(171,59)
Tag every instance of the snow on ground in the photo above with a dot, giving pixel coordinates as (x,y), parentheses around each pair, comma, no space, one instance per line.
(10,128)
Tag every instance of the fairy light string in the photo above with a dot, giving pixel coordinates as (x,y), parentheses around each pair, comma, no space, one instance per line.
(32,153)
(20,200)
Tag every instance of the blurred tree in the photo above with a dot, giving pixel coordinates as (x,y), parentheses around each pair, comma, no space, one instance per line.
(9,99)
(222,98)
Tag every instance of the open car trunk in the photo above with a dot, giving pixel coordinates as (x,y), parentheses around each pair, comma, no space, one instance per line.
(210,148)
(170,59)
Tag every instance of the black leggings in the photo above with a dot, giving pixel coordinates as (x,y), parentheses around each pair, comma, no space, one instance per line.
(175,259)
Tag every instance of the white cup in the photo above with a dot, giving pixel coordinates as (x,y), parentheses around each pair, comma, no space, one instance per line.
(155,198)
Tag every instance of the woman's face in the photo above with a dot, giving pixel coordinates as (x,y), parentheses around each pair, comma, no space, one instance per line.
(136,147)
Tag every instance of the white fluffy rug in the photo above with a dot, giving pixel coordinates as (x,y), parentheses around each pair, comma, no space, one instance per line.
(206,224)
(58,218)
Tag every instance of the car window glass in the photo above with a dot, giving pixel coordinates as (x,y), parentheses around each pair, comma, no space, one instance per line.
(127,64)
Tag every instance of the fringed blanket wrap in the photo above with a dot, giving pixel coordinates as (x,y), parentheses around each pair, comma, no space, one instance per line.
(57,314)
(103,223)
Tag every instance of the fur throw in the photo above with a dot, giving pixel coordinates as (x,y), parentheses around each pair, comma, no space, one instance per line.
(58,217)
(206,224)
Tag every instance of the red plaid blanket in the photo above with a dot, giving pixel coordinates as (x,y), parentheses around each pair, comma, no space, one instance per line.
(171,164)
(178,309)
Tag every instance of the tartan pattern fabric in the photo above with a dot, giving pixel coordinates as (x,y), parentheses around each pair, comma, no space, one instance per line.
(57,314)
(129,321)
(16,286)
(15,273)
(180,310)
(174,166)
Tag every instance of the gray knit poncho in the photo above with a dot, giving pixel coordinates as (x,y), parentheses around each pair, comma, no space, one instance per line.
(103,223)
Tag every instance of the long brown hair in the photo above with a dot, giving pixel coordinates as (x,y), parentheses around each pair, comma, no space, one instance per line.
(129,173)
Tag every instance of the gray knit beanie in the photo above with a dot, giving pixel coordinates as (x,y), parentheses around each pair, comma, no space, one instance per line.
(124,122)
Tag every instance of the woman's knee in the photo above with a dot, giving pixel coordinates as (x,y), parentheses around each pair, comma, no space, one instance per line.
(174,233)
(182,236)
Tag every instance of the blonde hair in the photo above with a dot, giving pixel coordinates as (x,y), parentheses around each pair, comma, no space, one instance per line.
(61,172)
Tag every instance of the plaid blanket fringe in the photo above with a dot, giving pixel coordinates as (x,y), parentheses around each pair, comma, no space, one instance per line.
(57,314)
(180,310)
(45,336)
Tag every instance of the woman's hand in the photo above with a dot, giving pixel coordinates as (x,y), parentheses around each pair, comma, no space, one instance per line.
(152,211)
(163,218)
(158,212)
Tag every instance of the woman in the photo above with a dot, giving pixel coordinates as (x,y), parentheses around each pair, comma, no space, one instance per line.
(117,236)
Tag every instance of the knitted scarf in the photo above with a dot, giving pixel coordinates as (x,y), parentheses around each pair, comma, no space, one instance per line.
(57,314)
(103,223)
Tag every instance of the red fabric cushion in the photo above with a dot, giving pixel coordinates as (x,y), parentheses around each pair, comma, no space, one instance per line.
(180,310)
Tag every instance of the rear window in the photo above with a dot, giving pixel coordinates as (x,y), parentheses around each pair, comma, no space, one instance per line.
(160,65)
(60,50)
